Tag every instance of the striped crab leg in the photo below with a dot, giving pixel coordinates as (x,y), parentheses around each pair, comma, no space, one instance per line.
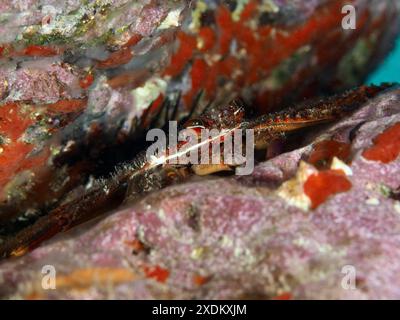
(277,126)
(271,126)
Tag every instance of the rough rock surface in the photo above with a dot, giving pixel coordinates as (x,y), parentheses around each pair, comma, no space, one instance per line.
(268,235)
(85,76)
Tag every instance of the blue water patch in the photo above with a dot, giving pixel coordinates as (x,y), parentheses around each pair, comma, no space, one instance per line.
(389,71)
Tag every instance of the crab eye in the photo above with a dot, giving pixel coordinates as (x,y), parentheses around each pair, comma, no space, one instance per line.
(195,123)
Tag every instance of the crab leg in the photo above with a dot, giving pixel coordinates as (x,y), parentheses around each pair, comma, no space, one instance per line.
(277,125)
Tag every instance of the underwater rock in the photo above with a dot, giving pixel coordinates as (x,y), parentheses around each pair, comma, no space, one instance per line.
(269,235)
(83,80)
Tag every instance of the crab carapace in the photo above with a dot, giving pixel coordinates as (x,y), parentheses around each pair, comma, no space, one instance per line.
(142,175)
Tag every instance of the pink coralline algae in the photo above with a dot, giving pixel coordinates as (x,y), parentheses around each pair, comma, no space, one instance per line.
(82,81)
(86,79)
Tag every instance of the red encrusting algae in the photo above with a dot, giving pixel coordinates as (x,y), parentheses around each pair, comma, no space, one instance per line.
(187,45)
(136,245)
(208,38)
(151,110)
(14,152)
(324,152)
(266,47)
(67,106)
(116,59)
(39,51)
(200,280)
(15,120)
(386,146)
(284,296)
(121,56)
(157,273)
(320,186)
(226,27)
(87,81)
